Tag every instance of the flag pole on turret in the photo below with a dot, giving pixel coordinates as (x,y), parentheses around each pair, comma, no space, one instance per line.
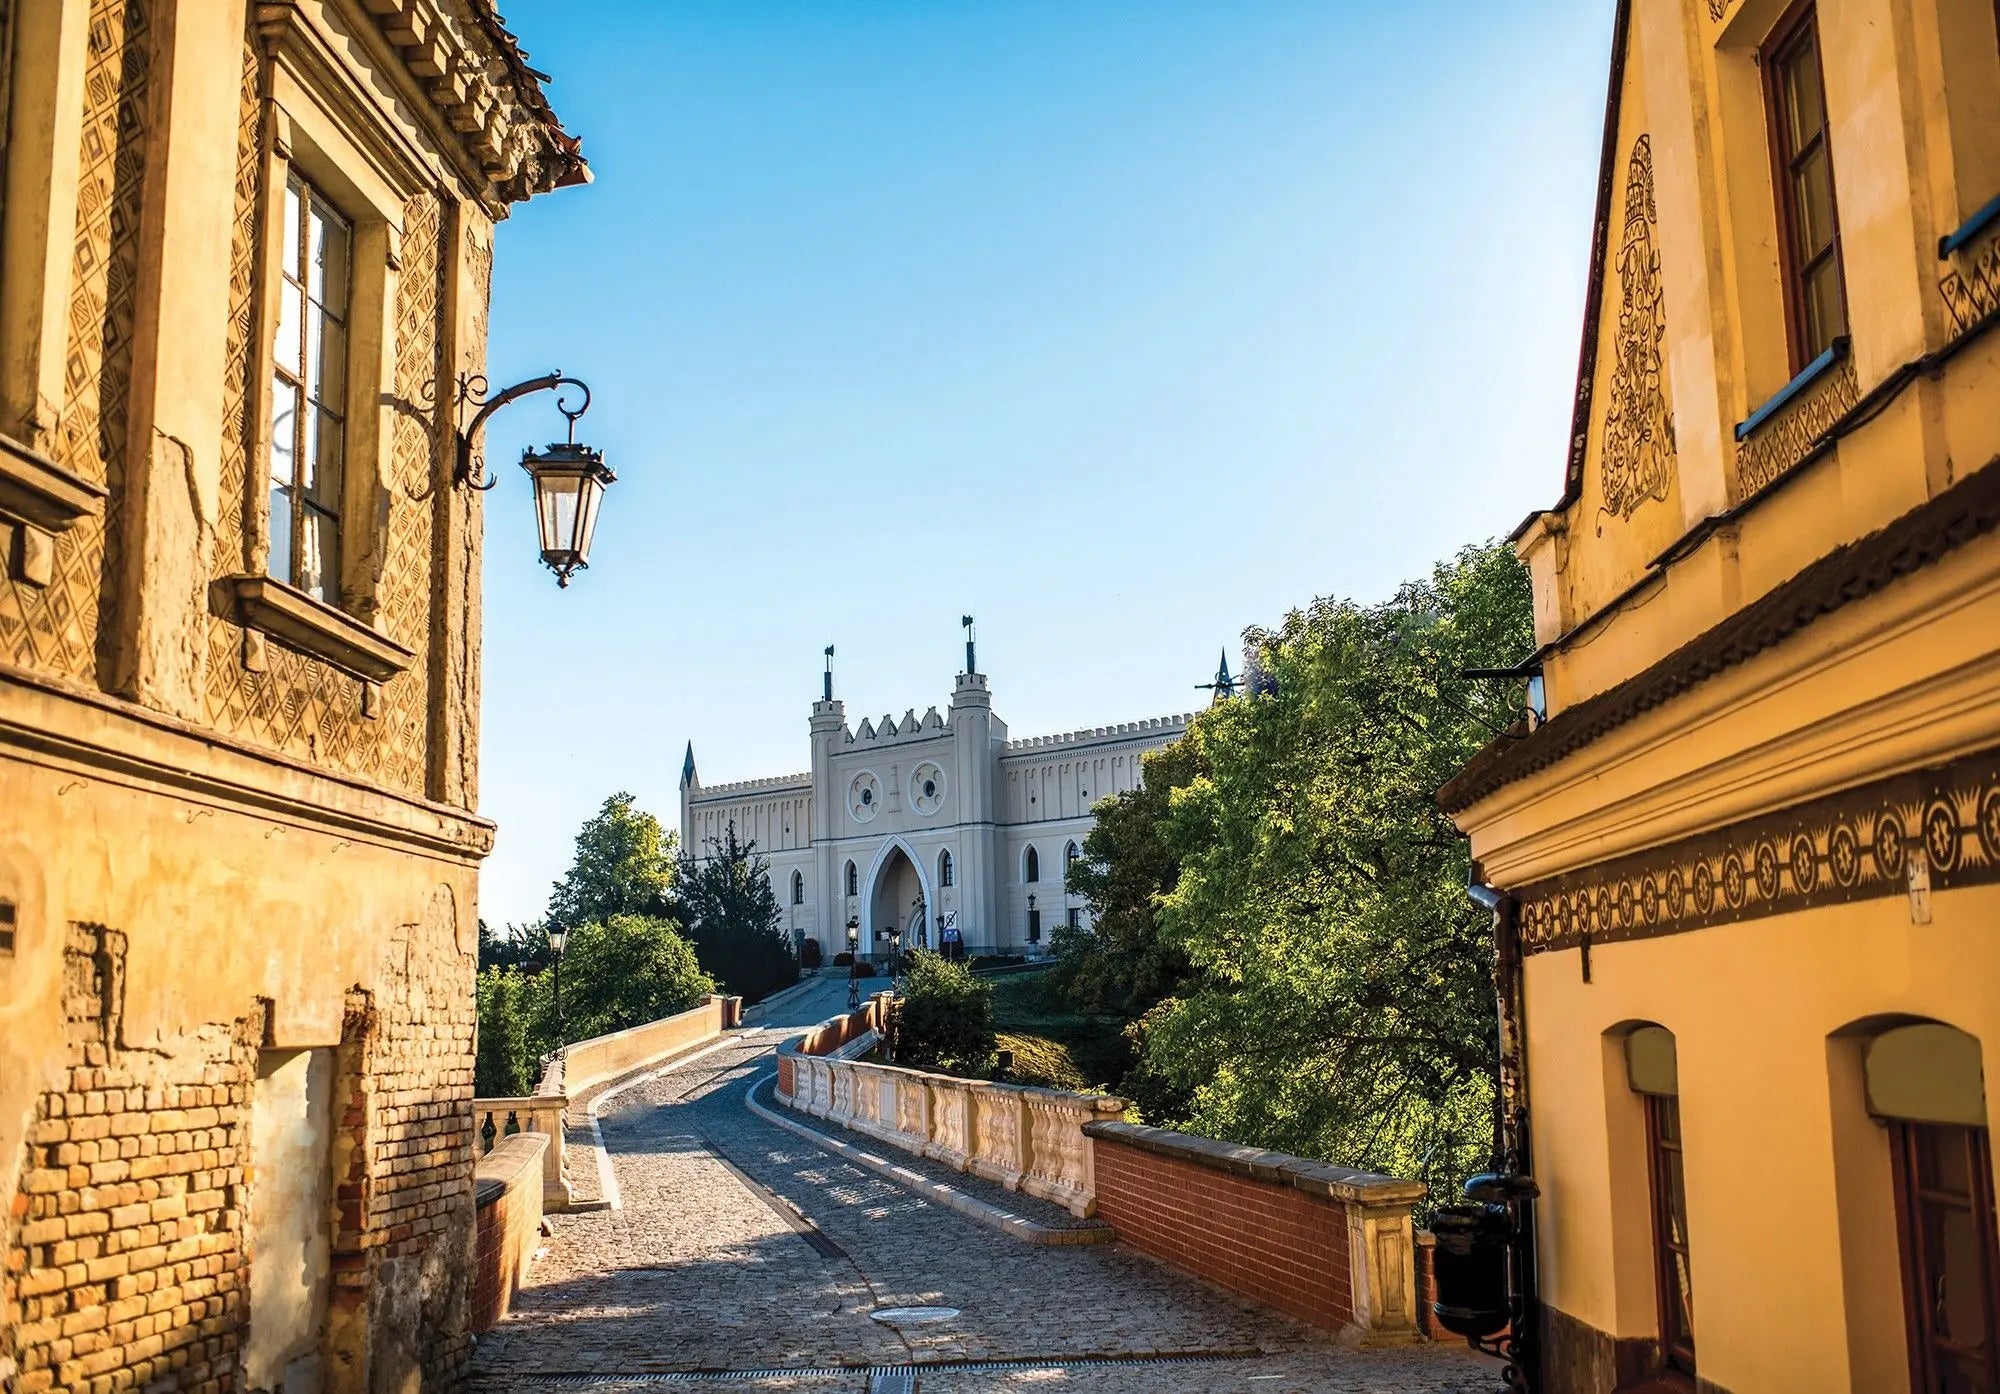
(971,654)
(826,688)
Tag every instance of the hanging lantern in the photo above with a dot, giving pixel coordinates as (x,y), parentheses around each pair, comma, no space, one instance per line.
(569,485)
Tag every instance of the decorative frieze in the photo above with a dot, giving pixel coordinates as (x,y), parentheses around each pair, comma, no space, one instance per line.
(1971,288)
(1780,444)
(1859,844)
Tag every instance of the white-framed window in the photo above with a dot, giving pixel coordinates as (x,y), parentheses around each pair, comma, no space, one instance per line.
(1031,866)
(309,393)
(798,888)
(947,869)
(853,879)
(1073,917)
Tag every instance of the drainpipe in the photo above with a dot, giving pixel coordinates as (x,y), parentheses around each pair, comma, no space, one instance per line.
(1513,1186)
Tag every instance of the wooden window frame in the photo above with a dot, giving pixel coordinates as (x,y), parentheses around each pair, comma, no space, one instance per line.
(1903,1143)
(299,505)
(1800,20)
(1677,1346)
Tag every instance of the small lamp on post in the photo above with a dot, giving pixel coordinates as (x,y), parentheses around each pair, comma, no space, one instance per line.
(558,940)
(853,965)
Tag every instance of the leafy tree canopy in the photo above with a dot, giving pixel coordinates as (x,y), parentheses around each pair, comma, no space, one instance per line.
(624,866)
(1120,963)
(625,972)
(731,912)
(1341,1004)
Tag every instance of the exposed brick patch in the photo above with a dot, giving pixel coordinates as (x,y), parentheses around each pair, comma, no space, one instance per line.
(124,1261)
(1273,1243)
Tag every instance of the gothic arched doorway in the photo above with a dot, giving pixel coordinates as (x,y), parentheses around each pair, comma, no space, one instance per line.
(899,898)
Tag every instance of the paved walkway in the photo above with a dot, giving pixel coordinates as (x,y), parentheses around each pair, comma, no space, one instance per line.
(739,1248)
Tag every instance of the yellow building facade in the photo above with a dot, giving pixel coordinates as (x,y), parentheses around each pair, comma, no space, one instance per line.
(245,251)
(1750,862)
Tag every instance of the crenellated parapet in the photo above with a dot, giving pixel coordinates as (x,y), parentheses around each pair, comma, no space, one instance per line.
(1123,730)
(774,784)
(890,729)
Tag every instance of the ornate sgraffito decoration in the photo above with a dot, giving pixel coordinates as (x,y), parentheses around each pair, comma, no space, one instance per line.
(1716,9)
(60,627)
(1780,444)
(1971,289)
(1855,845)
(295,702)
(1638,459)
(225,678)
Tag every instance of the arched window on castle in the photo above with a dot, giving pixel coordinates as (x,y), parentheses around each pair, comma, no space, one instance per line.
(798,888)
(853,879)
(1071,855)
(947,872)
(1031,866)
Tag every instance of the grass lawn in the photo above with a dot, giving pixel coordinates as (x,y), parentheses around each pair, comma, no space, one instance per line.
(1054,1045)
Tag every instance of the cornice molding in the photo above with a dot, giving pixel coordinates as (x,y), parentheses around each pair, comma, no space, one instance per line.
(1886,689)
(290,616)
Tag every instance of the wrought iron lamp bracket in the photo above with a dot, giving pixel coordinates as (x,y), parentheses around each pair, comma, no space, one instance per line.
(469,468)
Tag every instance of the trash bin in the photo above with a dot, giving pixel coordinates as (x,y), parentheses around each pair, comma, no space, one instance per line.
(1470,1264)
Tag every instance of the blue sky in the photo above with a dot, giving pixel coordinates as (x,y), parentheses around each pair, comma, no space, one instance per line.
(1121,324)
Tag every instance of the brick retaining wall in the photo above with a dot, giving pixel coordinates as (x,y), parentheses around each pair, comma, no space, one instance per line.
(1329,1245)
(509,1197)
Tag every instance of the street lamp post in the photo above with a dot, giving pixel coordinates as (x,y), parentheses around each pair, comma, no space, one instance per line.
(895,956)
(558,938)
(853,965)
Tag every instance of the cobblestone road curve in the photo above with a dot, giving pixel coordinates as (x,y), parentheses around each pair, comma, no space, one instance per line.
(741,1248)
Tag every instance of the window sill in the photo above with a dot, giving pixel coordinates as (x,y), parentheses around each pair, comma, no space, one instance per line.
(294,618)
(1807,375)
(1970,228)
(37,491)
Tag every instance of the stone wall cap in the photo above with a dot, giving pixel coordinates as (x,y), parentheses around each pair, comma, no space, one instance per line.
(513,1157)
(1278,1168)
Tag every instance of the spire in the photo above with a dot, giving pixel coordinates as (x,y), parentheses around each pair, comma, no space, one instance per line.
(1224,687)
(687,768)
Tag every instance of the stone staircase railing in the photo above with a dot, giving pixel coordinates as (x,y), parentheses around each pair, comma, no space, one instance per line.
(495,1120)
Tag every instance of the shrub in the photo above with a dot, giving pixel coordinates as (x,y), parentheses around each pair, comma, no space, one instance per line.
(944,1020)
(809,955)
(996,961)
(842,959)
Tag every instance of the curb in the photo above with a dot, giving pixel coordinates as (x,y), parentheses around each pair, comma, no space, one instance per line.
(937,1192)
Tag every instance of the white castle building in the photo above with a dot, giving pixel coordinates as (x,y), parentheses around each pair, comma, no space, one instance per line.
(927,823)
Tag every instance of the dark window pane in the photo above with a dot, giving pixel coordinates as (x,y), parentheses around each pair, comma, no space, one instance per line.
(1941,1153)
(321,475)
(1812,194)
(1826,312)
(288,256)
(1805,114)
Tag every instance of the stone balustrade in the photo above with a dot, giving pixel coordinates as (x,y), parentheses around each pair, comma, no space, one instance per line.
(508,1204)
(1026,1139)
(496,1120)
(582,1066)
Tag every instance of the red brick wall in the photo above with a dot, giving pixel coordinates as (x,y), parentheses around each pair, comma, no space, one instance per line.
(1266,1240)
(509,1226)
(1427,1284)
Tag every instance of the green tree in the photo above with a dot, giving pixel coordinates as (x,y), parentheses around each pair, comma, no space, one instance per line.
(731,912)
(1341,1004)
(1120,963)
(627,971)
(944,1018)
(506,1066)
(624,865)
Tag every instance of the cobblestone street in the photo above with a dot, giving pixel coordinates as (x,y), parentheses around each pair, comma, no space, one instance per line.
(738,1248)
